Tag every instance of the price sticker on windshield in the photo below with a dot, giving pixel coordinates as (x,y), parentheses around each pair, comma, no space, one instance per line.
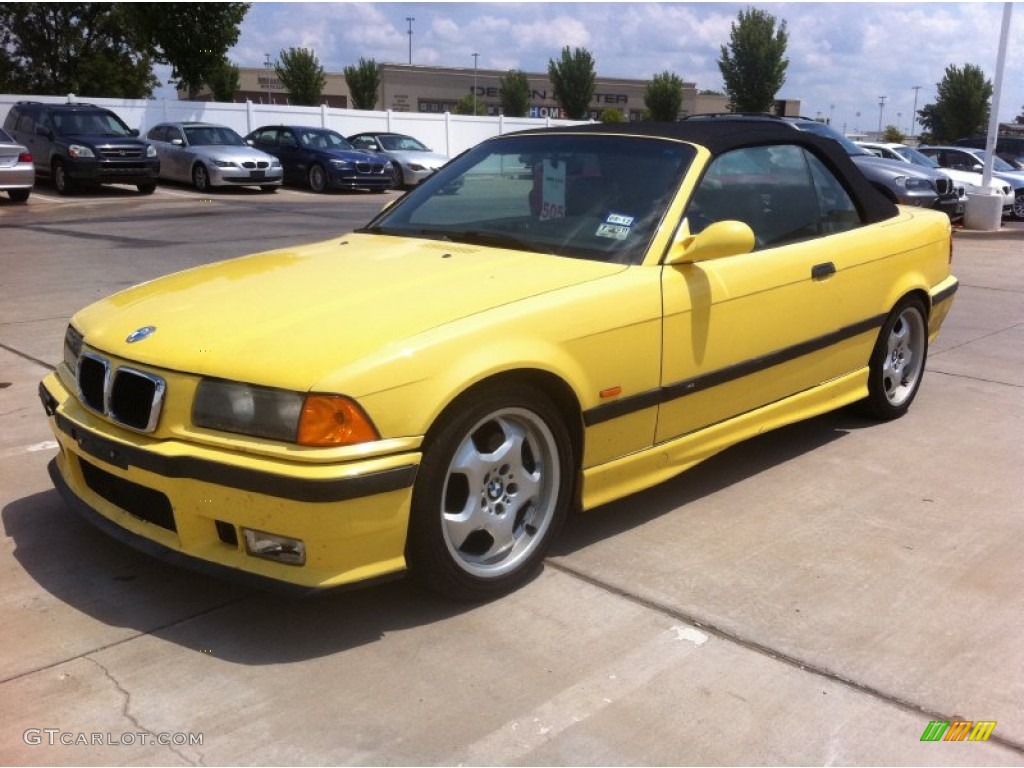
(553,190)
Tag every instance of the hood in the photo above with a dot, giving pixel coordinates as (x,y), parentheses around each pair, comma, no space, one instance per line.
(426,159)
(354,155)
(104,139)
(234,154)
(895,167)
(288,318)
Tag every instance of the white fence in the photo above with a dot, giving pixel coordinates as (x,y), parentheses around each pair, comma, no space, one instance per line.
(447,133)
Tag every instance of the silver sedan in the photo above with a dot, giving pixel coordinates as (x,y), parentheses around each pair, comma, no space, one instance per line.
(208,155)
(17,173)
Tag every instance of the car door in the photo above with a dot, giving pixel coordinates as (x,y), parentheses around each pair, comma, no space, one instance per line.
(745,331)
(179,157)
(290,154)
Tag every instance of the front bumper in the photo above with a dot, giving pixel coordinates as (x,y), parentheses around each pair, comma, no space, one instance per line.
(188,504)
(235,177)
(348,180)
(111,172)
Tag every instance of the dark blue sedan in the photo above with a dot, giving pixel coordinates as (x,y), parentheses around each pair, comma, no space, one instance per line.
(322,158)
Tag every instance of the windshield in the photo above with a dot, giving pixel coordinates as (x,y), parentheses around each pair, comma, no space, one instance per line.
(598,197)
(313,139)
(916,157)
(92,123)
(403,144)
(213,135)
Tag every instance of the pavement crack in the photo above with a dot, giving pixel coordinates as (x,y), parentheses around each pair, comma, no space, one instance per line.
(24,356)
(127,715)
(765,650)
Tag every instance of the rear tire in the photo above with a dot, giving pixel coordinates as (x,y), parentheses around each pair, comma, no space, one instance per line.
(1018,206)
(268,189)
(19,195)
(897,362)
(146,189)
(491,494)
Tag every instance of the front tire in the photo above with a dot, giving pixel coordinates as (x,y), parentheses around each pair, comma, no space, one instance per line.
(146,189)
(396,177)
(492,492)
(19,195)
(897,362)
(268,189)
(201,177)
(317,178)
(1018,206)
(61,181)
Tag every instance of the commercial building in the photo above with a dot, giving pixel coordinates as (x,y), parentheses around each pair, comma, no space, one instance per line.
(413,88)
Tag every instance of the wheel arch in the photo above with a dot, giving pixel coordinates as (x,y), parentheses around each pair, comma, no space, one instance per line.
(554,387)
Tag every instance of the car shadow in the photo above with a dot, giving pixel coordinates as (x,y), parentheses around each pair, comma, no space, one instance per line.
(120,587)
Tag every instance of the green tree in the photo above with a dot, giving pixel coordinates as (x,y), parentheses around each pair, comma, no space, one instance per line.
(193,38)
(962,104)
(613,115)
(514,92)
(893,135)
(224,81)
(663,97)
(469,106)
(80,48)
(753,65)
(574,80)
(302,76)
(363,84)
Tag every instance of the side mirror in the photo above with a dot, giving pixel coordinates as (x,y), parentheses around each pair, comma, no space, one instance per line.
(250,142)
(133,132)
(42,131)
(178,142)
(978,168)
(718,240)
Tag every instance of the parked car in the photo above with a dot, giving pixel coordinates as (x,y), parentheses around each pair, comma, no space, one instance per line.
(971,159)
(78,145)
(412,160)
(17,175)
(321,158)
(207,155)
(437,389)
(1009,148)
(971,181)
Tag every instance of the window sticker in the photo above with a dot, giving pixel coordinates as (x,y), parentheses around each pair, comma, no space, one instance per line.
(553,190)
(613,231)
(620,219)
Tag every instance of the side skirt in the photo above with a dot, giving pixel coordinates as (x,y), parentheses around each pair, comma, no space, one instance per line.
(644,469)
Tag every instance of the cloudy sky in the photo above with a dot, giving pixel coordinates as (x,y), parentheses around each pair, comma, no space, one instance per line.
(842,56)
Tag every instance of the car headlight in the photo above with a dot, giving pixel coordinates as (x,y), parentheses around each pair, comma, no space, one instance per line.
(913,184)
(278,414)
(80,150)
(340,164)
(72,348)
(275,163)
(417,167)
(150,150)
(224,164)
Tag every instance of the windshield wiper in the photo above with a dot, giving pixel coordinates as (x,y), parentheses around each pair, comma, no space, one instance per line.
(496,239)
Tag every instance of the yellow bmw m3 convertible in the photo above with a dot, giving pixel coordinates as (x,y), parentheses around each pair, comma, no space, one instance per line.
(555,319)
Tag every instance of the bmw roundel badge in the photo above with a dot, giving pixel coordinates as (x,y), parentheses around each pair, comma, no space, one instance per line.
(140,334)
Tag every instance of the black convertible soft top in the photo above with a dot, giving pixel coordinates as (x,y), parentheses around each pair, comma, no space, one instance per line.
(723,134)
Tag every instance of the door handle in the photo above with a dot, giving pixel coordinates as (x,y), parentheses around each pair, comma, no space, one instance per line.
(821,271)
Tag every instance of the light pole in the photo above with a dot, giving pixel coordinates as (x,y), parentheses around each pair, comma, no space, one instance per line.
(410,19)
(831,113)
(270,98)
(913,115)
(899,116)
(475,57)
(881,108)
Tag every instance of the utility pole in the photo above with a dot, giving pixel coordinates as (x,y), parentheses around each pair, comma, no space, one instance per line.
(913,116)
(475,57)
(881,108)
(410,19)
(270,98)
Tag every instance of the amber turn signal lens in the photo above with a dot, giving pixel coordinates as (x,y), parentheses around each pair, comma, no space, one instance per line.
(332,420)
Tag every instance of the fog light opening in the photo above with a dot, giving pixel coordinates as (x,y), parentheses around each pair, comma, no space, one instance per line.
(280,549)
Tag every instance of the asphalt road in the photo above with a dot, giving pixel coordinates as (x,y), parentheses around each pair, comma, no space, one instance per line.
(816,595)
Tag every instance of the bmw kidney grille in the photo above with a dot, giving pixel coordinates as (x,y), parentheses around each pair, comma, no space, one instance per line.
(124,395)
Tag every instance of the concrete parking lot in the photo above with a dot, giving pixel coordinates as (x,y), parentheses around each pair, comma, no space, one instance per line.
(817,595)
